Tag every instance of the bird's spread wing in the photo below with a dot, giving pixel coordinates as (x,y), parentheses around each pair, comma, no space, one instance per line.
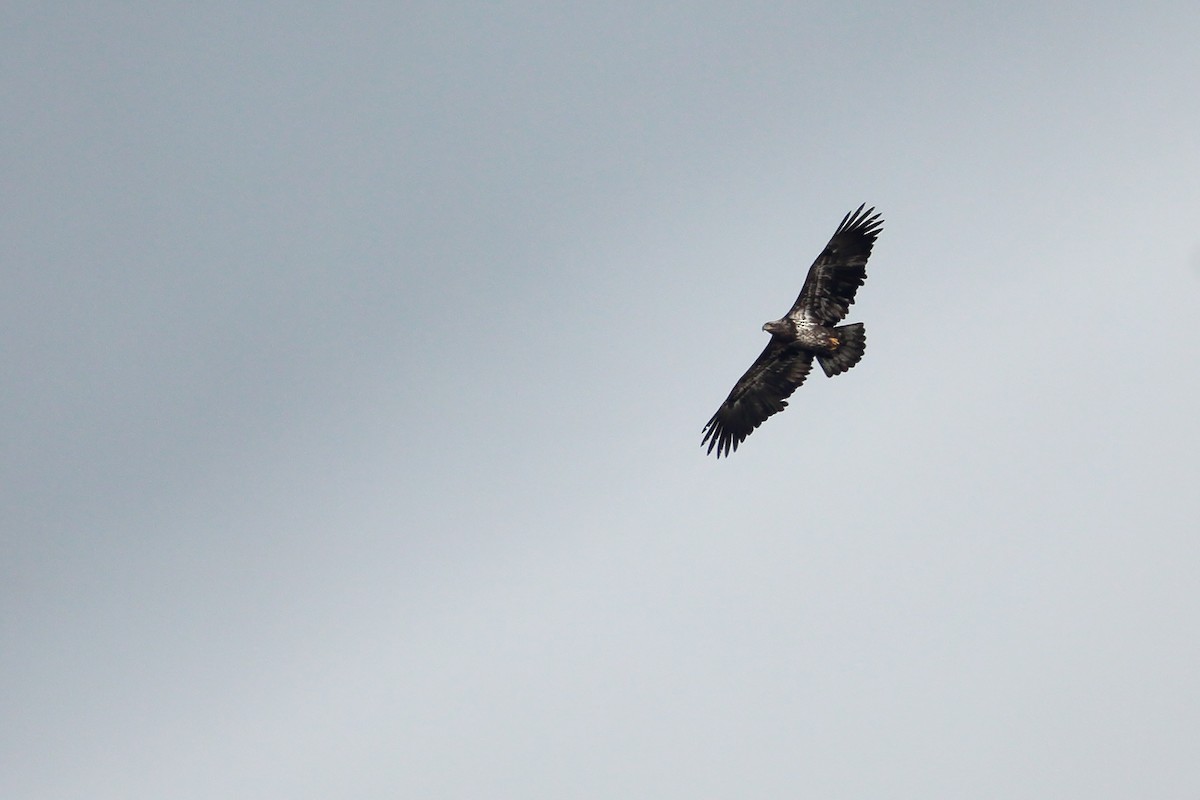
(841,268)
(761,392)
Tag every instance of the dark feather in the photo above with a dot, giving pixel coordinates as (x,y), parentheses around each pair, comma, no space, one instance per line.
(834,278)
(762,391)
(854,344)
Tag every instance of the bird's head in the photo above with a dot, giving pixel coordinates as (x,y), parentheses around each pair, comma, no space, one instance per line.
(779,327)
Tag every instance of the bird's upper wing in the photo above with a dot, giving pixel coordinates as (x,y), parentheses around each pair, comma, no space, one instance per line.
(761,392)
(841,268)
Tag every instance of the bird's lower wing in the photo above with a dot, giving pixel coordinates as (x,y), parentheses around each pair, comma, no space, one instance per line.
(761,392)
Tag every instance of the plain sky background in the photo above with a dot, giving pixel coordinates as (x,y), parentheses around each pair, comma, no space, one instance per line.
(355,359)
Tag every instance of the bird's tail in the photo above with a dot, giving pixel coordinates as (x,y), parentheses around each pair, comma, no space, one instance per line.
(852,343)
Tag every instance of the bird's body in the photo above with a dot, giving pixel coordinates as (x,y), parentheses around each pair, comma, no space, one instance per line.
(809,330)
(804,333)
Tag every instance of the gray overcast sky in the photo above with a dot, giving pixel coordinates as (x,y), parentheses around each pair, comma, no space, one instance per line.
(355,361)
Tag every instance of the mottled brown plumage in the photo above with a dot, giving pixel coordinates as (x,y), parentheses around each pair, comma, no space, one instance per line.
(807,331)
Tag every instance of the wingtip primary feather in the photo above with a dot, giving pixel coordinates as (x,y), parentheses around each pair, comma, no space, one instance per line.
(718,436)
(866,219)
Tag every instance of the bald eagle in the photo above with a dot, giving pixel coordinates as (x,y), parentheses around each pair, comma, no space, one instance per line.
(801,334)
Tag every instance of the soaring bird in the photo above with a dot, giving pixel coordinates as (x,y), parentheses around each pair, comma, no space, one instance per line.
(805,332)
